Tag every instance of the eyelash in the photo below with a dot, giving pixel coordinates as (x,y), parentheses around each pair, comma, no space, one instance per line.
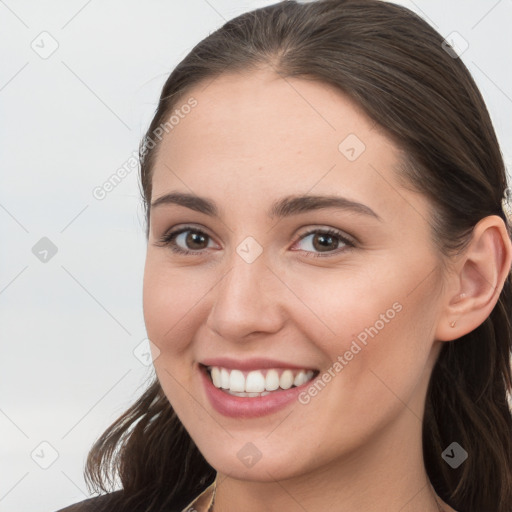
(168,238)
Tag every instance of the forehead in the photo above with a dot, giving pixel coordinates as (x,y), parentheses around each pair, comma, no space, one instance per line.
(265,135)
(253,110)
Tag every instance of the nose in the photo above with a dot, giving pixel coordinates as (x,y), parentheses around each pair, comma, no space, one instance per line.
(248,300)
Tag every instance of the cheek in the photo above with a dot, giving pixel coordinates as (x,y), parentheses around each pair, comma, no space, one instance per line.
(171,299)
(363,301)
(334,306)
(375,327)
(170,305)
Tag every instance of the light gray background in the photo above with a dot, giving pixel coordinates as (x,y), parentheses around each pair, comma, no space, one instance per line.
(69,325)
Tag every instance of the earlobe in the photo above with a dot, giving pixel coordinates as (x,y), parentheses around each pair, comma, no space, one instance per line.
(477,278)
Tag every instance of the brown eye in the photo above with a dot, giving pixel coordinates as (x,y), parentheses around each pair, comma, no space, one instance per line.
(195,240)
(186,240)
(322,242)
(326,241)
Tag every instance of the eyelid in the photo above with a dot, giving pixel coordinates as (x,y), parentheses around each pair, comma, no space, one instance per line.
(179,228)
(324,228)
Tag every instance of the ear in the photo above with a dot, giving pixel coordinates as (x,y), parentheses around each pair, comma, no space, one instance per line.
(476,279)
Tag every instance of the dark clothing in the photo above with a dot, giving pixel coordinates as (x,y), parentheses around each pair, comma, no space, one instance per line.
(96,504)
(110,503)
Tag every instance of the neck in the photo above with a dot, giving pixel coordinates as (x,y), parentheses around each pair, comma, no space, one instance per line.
(384,474)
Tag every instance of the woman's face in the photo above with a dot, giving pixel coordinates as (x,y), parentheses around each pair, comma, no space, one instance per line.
(259,297)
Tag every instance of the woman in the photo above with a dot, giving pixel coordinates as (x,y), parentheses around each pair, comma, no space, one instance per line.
(327,285)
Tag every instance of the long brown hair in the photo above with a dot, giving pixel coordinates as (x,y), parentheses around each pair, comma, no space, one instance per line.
(397,69)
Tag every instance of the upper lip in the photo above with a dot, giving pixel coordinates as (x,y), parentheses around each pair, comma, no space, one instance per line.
(256,363)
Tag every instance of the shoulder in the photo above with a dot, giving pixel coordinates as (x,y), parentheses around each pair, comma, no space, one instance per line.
(97,504)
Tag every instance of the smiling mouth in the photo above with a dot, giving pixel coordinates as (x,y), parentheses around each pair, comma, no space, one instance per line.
(257,383)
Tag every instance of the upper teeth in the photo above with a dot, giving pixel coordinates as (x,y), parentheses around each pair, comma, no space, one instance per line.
(258,381)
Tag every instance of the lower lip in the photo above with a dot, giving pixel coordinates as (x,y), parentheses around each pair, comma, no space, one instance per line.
(245,407)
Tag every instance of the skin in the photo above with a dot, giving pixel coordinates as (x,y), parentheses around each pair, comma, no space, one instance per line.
(252,139)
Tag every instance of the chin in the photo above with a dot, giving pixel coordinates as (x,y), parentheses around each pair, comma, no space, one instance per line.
(257,461)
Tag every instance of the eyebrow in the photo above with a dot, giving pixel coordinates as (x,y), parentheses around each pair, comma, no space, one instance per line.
(284,207)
